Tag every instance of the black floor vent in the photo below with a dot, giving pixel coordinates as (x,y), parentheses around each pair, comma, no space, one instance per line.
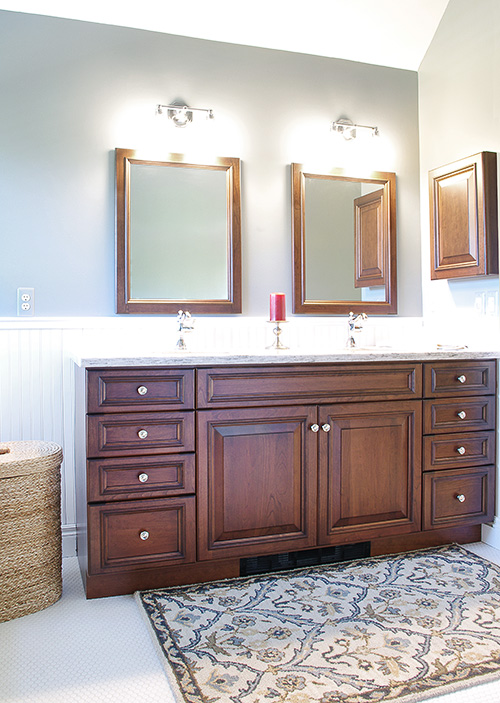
(297,560)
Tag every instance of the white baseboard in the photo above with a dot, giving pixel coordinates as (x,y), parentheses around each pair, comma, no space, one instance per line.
(68,540)
(490,534)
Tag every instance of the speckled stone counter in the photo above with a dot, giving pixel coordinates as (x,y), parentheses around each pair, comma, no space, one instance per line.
(289,356)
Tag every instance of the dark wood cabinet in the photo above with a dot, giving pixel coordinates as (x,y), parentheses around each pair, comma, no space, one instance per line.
(464,496)
(459,443)
(185,474)
(464,218)
(257,481)
(140,534)
(369,481)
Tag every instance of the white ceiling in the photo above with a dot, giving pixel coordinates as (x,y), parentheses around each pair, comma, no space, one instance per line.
(393,33)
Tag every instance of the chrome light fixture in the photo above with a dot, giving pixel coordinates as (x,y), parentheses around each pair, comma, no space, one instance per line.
(349,130)
(181,115)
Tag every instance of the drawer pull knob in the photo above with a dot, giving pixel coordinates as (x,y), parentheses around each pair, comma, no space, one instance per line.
(143,478)
(462,414)
(142,434)
(315,427)
(142,390)
(462,379)
(461,450)
(326,427)
(144,535)
(461,498)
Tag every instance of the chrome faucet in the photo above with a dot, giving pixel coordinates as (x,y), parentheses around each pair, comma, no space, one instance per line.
(186,324)
(355,323)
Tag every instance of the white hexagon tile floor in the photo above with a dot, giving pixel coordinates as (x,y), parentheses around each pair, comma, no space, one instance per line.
(89,651)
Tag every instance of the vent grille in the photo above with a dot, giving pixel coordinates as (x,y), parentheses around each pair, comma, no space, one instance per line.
(297,560)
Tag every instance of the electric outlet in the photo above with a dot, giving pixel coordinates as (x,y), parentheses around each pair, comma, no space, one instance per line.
(25,301)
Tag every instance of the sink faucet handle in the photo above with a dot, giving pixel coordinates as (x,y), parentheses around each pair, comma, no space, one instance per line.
(355,323)
(186,324)
(185,321)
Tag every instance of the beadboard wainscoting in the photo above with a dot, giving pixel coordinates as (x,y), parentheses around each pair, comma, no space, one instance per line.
(37,402)
(37,393)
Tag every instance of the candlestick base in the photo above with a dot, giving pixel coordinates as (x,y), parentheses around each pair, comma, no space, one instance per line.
(277,344)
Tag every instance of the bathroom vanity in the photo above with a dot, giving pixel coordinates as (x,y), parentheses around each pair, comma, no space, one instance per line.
(195,468)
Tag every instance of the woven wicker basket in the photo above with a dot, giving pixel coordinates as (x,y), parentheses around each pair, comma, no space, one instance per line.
(30,527)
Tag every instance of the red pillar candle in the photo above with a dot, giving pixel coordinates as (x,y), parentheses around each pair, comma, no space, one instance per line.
(277,309)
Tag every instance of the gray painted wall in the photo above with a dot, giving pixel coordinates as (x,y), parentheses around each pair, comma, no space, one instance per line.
(459,116)
(71,92)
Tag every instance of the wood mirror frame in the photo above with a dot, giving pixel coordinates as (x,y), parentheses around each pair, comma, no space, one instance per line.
(230,303)
(376,266)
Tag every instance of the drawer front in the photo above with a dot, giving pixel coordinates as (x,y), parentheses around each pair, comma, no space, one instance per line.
(143,477)
(134,434)
(459,378)
(233,387)
(129,390)
(135,534)
(460,497)
(460,449)
(466,414)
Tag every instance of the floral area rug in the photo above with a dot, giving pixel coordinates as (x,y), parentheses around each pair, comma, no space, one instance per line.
(404,627)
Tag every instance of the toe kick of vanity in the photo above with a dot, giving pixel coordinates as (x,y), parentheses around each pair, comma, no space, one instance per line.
(185,473)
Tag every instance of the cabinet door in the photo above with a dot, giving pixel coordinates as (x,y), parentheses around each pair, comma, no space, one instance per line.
(464,219)
(257,481)
(369,480)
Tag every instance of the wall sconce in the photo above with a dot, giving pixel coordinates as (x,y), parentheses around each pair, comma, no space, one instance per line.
(181,115)
(349,130)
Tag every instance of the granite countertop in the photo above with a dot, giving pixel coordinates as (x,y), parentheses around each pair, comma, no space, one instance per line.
(286,356)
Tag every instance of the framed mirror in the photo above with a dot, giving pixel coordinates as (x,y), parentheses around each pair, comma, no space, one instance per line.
(344,242)
(178,235)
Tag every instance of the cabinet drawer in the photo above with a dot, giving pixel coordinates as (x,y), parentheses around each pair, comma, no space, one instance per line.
(232,387)
(459,497)
(464,414)
(133,434)
(459,378)
(460,449)
(139,534)
(144,477)
(129,390)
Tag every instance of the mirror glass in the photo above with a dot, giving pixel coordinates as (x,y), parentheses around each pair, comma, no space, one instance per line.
(344,242)
(178,235)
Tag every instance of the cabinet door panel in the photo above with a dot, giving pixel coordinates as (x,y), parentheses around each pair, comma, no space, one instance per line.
(369,471)
(464,219)
(256,481)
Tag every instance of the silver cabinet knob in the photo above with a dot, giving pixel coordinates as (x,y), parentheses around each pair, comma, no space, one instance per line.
(462,414)
(326,427)
(143,478)
(144,535)
(461,450)
(462,379)
(460,497)
(315,427)
(142,390)
(142,434)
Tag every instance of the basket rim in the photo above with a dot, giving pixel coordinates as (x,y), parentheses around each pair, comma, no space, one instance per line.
(29,457)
